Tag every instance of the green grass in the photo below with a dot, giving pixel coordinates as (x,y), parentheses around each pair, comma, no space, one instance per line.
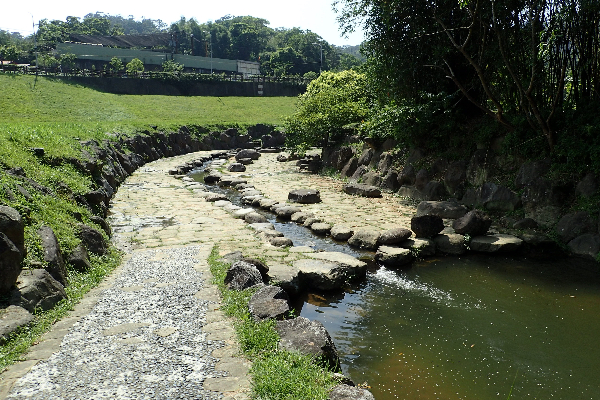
(39,101)
(276,375)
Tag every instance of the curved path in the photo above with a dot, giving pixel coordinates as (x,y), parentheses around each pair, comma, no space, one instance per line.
(154,329)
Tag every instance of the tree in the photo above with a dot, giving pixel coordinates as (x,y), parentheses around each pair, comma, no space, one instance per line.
(172,66)
(510,59)
(9,53)
(134,67)
(115,65)
(330,103)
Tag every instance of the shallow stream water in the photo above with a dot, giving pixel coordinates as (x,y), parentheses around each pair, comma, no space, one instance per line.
(473,327)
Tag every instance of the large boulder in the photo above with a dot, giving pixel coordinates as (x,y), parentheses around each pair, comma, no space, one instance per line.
(10,264)
(498,198)
(79,258)
(11,319)
(346,392)
(310,338)
(11,224)
(586,245)
(242,275)
(349,168)
(304,196)
(444,209)
(269,302)
(389,182)
(575,224)
(473,223)
(248,153)
(52,255)
(36,288)
(362,190)
(454,178)
(92,239)
(426,226)
(364,239)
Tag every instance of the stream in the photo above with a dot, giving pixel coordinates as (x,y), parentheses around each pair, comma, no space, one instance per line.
(473,327)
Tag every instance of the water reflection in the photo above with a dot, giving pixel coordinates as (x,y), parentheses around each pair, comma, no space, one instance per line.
(470,328)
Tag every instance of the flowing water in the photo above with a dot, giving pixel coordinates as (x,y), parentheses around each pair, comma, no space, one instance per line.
(476,327)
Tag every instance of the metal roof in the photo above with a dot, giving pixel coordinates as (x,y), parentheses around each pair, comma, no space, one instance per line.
(126,41)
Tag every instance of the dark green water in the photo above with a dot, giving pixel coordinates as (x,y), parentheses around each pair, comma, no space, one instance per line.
(469,328)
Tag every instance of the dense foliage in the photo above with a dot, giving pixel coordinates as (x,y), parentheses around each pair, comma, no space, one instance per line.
(280,51)
(331,103)
(531,65)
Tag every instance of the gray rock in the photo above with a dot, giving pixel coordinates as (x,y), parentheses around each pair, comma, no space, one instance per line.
(11,319)
(212,177)
(305,196)
(269,302)
(453,244)
(443,209)
(286,212)
(365,157)
(586,245)
(350,168)
(308,222)
(394,236)
(11,224)
(79,259)
(357,175)
(266,204)
(426,226)
(248,153)
(212,197)
(385,162)
(526,223)
(260,266)
(52,255)
(245,161)
(101,222)
(301,216)
(362,190)
(236,167)
(320,228)
(286,276)
(407,176)
(393,256)
(498,198)
(364,239)
(588,186)
(310,338)
(419,246)
(242,275)
(389,182)
(36,288)
(281,242)
(530,172)
(454,178)
(575,224)
(479,167)
(421,179)
(371,178)
(434,190)
(92,239)
(10,264)
(473,223)
(255,218)
(345,392)
(497,243)
(340,232)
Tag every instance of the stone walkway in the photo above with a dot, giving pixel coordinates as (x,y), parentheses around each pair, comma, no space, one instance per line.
(154,328)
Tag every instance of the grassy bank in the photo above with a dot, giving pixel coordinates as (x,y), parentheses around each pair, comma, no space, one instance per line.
(56,116)
(276,374)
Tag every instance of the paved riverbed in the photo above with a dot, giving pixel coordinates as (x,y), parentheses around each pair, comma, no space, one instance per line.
(154,328)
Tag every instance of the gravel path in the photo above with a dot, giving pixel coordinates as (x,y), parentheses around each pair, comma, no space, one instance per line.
(142,340)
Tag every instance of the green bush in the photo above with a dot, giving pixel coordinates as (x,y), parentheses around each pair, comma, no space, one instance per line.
(330,103)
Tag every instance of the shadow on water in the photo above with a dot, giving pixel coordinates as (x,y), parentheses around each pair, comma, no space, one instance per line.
(476,327)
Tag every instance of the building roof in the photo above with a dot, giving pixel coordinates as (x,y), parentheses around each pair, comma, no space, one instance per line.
(124,41)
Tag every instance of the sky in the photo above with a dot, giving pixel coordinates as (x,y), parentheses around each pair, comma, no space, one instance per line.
(314,15)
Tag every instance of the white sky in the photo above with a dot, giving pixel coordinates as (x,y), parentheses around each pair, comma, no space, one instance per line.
(314,15)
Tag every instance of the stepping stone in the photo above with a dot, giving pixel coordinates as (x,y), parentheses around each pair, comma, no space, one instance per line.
(286,212)
(281,241)
(320,228)
(241,213)
(498,243)
(419,246)
(236,167)
(452,243)
(341,232)
(426,226)
(362,190)
(394,236)
(301,216)
(305,196)
(443,209)
(269,302)
(393,256)
(364,239)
